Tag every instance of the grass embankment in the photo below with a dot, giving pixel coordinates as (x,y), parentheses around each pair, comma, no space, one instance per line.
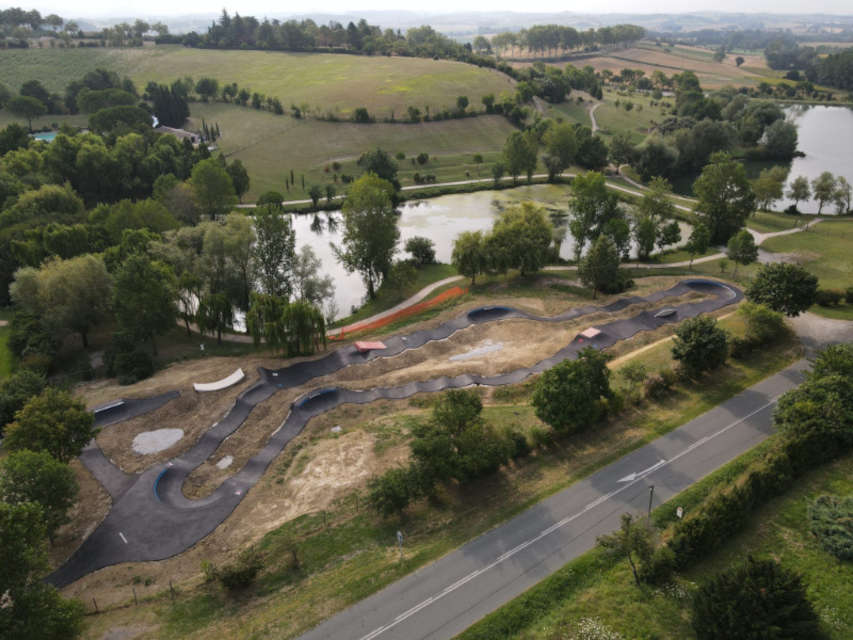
(355,555)
(270,146)
(387,297)
(328,82)
(593,586)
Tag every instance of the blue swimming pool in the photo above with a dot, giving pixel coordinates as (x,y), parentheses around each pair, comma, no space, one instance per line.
(47,136)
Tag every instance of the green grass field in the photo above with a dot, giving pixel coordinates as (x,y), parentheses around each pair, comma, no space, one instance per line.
(327,82)
(613,118)
(270,146)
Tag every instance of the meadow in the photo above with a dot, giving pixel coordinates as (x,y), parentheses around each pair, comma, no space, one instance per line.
(325,82)
(270,146)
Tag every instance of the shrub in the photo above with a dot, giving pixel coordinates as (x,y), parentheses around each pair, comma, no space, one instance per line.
(423,158)
(422,250)
(829,297)
(519,446)
(391,492)
(659,385)
(241,574)
(848,295)
(748,600)
(700,345)
(831,521)
(763,325)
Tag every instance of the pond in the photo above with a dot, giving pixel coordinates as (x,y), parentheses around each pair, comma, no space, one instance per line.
(826,139)
(47,136)
(441,220)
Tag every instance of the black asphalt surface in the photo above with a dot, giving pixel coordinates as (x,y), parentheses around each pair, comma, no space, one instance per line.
(444,598)
(151,519)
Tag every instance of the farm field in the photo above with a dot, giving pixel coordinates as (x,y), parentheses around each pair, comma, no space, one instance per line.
(326,82)
(712,75)
(270,146)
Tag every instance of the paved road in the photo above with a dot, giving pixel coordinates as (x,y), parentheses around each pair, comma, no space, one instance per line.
(444,598)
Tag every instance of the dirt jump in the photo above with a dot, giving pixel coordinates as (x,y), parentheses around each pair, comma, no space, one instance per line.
(152,519)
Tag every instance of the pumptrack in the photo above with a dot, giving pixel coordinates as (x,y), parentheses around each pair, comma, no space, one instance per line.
(151,519)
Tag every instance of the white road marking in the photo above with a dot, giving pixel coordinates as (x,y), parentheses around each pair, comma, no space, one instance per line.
(633,476)
(121,535)
(557,525)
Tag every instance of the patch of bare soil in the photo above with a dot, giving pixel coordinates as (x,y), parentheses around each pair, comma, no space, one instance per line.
(93,504)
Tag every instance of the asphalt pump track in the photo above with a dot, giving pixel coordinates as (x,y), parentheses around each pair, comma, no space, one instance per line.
(151,519)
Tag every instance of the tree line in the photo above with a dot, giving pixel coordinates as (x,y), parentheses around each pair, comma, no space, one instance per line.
(553,39)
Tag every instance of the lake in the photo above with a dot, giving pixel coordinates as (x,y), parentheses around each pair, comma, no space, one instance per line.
(441,220)
(826,139)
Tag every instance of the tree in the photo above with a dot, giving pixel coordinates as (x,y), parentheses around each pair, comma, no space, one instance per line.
(592,206)
(273,252)
(144,299)
(634,537)
(73,295)
(520,239)
(519,154)
(462,103)
(54,422)
(16,391)
(26,107)
(725,197)
(422,250)
(391,492)
(768,187)
(758,599)
(207,88)
(700,345)
(561,146)
(215,313)
(799,190)
(308,284)
(698,242)
(645,234)
(239,177)
(780,140)
(31,609)
(622,150)
(370,232)
(569,396)
(783,287)
(30,476)
(315,192)
(469,254)
(380,164)
(498,170)
(843,195)
(742,249)
(600,267)
(456,410)
(669,234)
(823,188)
(739,60)
(212,186)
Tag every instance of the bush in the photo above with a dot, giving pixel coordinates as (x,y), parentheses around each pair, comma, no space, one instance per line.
(831,521)
(519,446)
(422,158)
(422,250)
(848,295)
(241,574)
(700,345)
(391,492)
(763,325)
(749,600)
(829,297)
(133,367)
(658,386)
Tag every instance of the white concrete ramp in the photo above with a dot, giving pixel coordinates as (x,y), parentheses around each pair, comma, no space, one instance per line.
(231,380)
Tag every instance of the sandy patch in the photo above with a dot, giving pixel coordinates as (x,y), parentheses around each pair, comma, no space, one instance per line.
(486,346)
(149,442)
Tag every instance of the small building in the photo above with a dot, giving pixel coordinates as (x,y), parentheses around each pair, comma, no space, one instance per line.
(181,134)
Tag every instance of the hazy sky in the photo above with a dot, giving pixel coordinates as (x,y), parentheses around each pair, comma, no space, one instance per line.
(109,8)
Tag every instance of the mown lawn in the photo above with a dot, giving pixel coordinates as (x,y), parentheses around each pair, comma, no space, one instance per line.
(770,221)
(355,554)
(327,82)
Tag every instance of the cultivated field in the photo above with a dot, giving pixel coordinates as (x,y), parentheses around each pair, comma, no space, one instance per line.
(712,75)
(329,82)
(270,145)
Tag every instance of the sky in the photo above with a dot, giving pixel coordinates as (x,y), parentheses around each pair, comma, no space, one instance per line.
(110,8)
